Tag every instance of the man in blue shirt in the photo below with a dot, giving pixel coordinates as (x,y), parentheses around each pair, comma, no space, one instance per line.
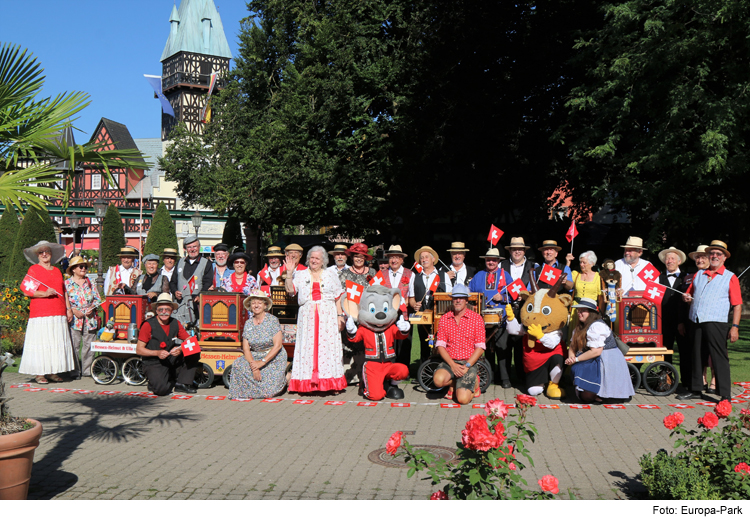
(549,250)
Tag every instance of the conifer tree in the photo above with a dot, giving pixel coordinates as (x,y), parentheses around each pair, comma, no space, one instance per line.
(113,237)
(162,233)
(232,235)
(34,228)
(9,226)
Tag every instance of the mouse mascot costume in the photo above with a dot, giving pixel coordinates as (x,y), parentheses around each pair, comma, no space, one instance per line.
(372,322)
(543,316)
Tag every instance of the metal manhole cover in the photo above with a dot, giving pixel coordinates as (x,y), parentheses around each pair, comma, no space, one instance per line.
(381,456)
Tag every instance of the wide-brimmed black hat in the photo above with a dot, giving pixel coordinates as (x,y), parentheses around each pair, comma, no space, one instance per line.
(238,255)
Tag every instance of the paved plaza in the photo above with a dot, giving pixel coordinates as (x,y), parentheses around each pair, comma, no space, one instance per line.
(118,446)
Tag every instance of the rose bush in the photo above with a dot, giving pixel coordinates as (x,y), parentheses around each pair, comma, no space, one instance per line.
(487,466)
(705,462)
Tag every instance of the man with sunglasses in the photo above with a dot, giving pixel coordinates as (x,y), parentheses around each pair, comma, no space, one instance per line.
(159,343)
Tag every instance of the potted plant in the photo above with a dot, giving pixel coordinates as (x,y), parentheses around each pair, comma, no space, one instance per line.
(18,439)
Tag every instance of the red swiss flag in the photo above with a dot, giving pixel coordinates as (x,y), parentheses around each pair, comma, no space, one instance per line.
(515,288)
(500,280)
(354,291)
(435,282)
(655,291)
(418,267)
(190,346)
(377,279)
(649,273)
(191,284)
(265,277)
(549,275)
(29,285)
(572,232)
(494,236)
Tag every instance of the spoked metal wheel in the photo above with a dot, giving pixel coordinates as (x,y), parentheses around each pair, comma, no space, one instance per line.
(132,371)
(227,376)
(204,376)
(484,370)
(660,378)
(104,370)
(635,375)
(425,374)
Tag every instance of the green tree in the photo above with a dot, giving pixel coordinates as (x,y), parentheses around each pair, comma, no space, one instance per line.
(36,226)
(162,233)
(113,237)
(232,235)
(9,226)
(659,127)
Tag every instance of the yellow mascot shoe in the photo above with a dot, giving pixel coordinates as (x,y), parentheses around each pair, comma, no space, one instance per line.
(554,392)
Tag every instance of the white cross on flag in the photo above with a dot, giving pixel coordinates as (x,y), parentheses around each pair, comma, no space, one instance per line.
(377,279)
(418,267)
(434,283)
(29,285)
(354,291)
(190,346)
(549,275)
(649,273)
(655,291)
(495,233)
(515,288)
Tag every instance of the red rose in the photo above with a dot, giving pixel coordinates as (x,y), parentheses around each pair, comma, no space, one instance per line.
(723,409)
(742,468)
(496,409)
(477,435)
(394,442)
(162,345)
(549,483)
(708,420)
(523,399)
(745,411)
(512,466)
(439,495)
(670,422)
(679,417)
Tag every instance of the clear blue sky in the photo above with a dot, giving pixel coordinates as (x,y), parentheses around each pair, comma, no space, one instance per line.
(103,48)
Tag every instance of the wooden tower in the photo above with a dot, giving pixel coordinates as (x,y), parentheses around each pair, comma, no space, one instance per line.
(196,47)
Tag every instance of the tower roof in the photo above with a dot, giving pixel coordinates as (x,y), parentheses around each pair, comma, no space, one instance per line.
(189,36)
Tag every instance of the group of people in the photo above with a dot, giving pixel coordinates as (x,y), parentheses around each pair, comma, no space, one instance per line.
(700,311)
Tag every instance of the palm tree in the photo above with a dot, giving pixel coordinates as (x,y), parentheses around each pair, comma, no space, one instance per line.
(32,145)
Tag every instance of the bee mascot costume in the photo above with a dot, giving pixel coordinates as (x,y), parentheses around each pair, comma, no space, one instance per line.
(544,314)
(372,321)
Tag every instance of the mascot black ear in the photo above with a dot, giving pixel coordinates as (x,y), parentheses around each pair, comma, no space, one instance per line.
(396,302)
(350,308)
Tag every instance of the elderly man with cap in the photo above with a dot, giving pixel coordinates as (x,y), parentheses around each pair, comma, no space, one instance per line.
(220,268)
(518,267)
(549,250)
(120,278)
(194,274)
(460,344)
(170,257)
(671,305)
(159,341)
(490,282)
(339,258)
(420,294)
(151,283)
(269,275)
(630,265)
(292,257)
(399,277)
(714,293)
(459,273)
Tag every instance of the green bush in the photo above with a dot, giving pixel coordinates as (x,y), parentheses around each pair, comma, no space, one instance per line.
(672,478)
(113,237)
(9,227)
(36,226)
(162,233)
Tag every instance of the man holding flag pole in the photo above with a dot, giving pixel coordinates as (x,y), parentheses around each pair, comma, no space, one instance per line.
(421,287)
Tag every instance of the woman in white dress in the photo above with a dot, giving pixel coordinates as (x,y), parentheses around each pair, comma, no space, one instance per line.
(317,365)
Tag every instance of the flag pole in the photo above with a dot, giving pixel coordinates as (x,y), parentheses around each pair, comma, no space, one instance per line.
(741,274)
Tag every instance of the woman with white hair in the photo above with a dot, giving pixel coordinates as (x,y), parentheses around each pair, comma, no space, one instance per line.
(587,284)
(317,363)
(47,349)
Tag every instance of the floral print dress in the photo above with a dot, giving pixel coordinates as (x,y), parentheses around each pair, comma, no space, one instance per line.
(273,375)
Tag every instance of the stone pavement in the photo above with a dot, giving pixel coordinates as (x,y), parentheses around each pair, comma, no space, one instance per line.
(128,447)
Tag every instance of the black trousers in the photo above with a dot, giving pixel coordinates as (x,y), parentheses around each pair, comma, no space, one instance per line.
(684,344)
(403,349)
(711,338)
(512,352)
(162,374)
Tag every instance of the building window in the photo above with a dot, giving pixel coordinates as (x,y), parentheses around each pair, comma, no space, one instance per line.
(96,181)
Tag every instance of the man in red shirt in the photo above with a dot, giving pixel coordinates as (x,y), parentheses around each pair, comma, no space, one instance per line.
(460,343)
(159,344)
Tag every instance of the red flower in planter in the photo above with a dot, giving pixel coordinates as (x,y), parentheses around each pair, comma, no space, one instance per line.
(524,399)
(743,468)
(673,420)
(549,483)
(394,442)
(477,435)
(439,495)
(496,409)
(723,409)
(708,420)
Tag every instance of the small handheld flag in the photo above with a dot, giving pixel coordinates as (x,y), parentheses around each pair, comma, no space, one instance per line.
(190,346)
(434,284)
(29,285)
(377,279)
(549,275)
(495,234)
(515,288)
(354,291)
(191,284)
(655,291)
(418,267)
(649,273)
(572,232)
(500,281)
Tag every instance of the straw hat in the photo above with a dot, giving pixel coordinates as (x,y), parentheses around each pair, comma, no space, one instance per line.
(721,246)
(170,253)
(492,253)
(338,249)
(634,242)
(672,249)
(395,250)
(293,247)
(76,261)
(517,243)
(359,249)
(549,244)
(458,246)
(57,251)
(164,298)
(128,252)
(701,250)
(275,251)
(429,250)
(257,294)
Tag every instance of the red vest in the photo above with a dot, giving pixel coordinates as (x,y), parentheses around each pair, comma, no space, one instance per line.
(378,346)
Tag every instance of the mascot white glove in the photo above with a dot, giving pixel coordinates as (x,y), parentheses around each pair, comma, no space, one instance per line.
(351,326)
(403,325)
